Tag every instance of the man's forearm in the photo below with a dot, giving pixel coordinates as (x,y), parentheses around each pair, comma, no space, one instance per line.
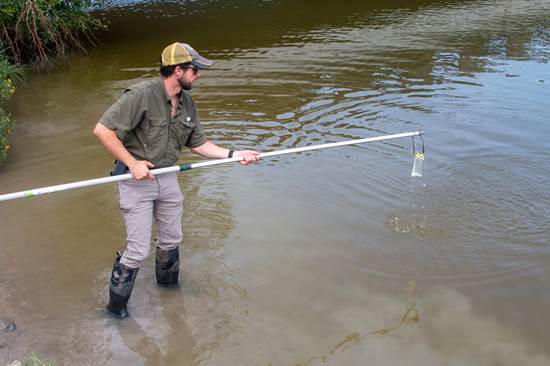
(138,168)
(211,150)
(112,143)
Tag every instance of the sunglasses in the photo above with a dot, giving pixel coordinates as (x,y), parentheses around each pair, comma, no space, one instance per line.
(194,68)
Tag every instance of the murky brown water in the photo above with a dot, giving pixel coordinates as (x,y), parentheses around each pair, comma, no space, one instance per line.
(306,259)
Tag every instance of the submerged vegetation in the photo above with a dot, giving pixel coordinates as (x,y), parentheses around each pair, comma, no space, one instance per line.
(30,360)
(34,32)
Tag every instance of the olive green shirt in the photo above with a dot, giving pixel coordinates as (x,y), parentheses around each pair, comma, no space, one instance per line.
(141,118)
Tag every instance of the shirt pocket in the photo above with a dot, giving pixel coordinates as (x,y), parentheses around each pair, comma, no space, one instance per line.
(183,130)
(156,138)
(157,131)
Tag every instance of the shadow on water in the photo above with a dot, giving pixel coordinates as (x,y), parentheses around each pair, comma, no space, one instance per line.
(176,345)
(410,317)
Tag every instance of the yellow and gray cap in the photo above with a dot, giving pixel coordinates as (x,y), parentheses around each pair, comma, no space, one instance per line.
(181,53)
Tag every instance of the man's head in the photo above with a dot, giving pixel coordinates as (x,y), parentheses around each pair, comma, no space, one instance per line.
(181,60)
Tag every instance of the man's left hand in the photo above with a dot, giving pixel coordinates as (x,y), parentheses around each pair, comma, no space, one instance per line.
(247,156)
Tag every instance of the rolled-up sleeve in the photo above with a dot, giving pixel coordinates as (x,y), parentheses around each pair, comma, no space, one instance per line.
(124,115)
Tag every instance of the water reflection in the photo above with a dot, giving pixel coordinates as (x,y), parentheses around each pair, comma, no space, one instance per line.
(175,346)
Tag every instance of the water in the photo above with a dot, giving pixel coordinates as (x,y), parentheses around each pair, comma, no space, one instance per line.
(331,257)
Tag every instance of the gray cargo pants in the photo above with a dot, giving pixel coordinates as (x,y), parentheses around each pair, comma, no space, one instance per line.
(140,201)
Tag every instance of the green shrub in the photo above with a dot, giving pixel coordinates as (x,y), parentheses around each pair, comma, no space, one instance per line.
(5,125)
(34,30)
(9,74)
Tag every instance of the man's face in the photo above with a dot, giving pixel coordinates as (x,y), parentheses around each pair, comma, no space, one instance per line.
(188,76)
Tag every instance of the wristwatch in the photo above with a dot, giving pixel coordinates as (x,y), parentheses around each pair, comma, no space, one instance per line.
(231,152)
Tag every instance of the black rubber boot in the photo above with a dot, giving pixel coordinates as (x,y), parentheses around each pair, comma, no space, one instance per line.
(122,283)
(167,266)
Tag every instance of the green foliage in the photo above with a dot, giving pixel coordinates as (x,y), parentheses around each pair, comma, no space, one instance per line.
(34,30)
(5,125)
(9,74)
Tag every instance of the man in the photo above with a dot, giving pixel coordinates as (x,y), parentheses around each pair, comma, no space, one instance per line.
(147,128)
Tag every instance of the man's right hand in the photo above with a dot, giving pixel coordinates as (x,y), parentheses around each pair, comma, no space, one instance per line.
(140,169)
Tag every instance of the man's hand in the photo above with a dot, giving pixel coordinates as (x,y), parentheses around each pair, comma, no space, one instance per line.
(140,169)
(247,156)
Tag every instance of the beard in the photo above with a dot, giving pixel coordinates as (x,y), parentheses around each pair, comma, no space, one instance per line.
(185,85)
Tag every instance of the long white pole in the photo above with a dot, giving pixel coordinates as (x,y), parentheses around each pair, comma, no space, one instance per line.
(182,167)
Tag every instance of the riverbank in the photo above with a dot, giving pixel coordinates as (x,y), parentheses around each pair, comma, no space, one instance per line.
(35,33)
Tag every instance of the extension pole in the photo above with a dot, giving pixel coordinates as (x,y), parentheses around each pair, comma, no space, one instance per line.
(187,166)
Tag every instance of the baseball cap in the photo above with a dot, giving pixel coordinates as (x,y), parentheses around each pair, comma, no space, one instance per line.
(180,53)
